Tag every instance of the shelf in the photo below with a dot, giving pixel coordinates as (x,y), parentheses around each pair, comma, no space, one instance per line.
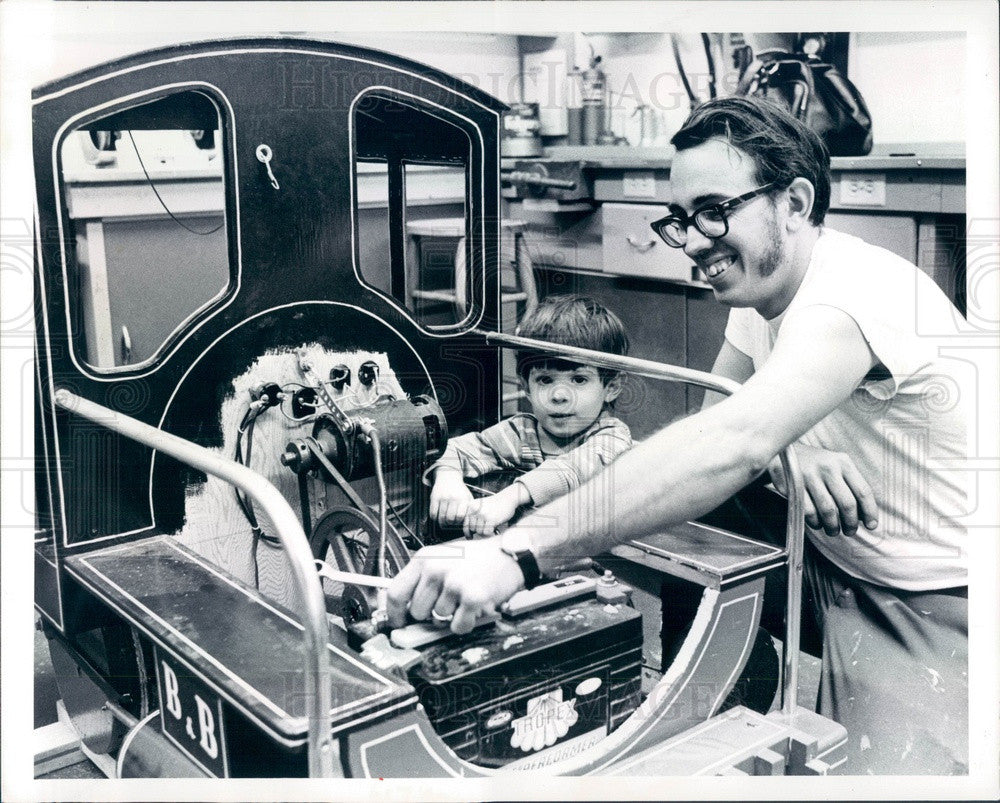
(552,205)
(890,156)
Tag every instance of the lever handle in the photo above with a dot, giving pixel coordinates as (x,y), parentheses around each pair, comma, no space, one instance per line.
(327,571)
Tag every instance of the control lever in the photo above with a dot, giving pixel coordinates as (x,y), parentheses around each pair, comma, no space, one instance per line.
(126,346)
(338,576)
(546,594)
(380,616)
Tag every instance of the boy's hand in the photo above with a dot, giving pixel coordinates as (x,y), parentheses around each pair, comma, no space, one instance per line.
(450,498)
(485,515)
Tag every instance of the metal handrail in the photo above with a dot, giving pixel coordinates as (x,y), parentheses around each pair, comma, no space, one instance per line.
(290,533)
(795,527)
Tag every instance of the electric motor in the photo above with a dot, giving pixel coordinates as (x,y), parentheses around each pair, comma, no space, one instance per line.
(412,432)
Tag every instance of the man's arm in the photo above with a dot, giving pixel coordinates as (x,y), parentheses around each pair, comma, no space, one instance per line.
(730,363)
(697,463)
(837,495)
(677,474)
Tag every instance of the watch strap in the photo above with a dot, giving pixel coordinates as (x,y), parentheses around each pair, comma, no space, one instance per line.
(528,564)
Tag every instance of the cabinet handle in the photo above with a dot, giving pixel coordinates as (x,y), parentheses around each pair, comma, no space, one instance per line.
(642,248)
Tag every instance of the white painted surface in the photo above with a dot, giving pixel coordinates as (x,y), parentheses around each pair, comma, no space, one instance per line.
(913,83)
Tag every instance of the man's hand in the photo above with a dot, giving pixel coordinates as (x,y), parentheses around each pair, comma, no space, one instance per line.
(450,497)
(837,496)
(462,579)
(484,515)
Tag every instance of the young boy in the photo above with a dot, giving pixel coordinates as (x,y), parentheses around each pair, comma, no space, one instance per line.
(569,436)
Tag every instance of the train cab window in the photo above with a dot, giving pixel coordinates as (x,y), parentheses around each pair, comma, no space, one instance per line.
(412,169)
(145,227)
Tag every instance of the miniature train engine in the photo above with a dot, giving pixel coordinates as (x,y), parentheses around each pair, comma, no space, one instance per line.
(245,364)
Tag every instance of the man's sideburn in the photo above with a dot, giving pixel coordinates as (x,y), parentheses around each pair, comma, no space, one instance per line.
(775,253)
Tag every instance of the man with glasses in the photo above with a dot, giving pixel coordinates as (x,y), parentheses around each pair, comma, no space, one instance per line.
(823,334)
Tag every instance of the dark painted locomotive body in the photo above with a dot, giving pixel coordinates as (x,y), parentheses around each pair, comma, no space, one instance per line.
(164,591)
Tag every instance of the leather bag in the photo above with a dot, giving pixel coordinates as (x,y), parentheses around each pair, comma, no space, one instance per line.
(817,94)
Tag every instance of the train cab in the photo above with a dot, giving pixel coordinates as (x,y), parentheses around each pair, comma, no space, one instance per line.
(244,368)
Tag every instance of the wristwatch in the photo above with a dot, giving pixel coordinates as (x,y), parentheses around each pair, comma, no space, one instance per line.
(516,545)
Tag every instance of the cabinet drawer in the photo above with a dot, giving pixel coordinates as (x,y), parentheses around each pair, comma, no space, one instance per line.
(631,248)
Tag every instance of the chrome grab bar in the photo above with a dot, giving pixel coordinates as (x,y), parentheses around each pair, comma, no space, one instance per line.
(794,530)
(291,535)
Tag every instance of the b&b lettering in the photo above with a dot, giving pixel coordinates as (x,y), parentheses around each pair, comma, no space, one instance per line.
(206,726)
(170,691)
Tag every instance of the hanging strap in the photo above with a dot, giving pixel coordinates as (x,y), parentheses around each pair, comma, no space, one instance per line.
(680,71)
(707,43)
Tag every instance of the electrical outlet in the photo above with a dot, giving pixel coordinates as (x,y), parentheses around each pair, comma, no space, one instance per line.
(862,189)
(638,185)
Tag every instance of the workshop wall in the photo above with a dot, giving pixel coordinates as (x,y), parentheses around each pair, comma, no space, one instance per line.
(485,60)
(640,69)
(913,82)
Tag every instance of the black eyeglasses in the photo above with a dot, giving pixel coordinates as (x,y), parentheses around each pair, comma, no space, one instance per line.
(711,220)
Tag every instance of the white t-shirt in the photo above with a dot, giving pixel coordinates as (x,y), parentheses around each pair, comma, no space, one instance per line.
(905,425)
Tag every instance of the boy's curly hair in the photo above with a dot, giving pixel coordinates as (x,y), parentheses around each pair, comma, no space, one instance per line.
(571,320)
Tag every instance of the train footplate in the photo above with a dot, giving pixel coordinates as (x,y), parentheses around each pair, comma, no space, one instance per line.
(742,742)
(558,679)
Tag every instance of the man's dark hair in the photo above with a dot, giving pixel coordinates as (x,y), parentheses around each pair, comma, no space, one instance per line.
(782,147)
(571,320)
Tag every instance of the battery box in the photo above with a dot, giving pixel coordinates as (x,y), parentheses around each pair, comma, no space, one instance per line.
(565,674)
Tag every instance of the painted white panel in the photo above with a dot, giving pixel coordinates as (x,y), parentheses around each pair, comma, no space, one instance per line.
(913,83)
